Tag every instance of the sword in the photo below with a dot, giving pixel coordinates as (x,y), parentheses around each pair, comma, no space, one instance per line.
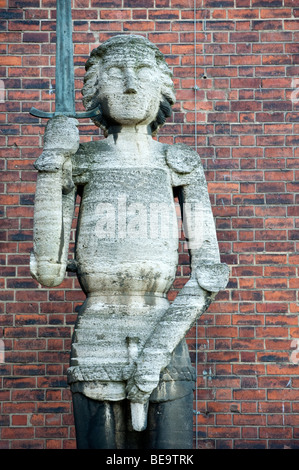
(64,73)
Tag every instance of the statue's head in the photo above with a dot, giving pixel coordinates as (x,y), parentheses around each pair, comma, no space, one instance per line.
(128,78)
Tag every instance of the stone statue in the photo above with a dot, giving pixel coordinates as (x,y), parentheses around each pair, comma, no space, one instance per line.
(130,371)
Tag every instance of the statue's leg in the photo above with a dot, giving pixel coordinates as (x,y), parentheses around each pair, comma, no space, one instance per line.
(104,424)
(170,419)
(170,424)
(94,423)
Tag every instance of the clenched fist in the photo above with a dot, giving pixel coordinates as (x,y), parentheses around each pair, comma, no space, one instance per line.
(62,134)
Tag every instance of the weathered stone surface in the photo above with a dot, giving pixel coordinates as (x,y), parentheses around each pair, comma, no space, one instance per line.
(127,235)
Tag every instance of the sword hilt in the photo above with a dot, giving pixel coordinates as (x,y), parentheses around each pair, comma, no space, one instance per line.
(43,114)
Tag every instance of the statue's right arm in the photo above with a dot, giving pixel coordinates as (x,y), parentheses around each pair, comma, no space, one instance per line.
(54,202)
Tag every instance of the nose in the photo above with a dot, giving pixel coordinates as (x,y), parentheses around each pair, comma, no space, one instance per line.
(130,83)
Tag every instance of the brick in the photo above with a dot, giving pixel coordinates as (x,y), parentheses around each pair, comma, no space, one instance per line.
(163,14)
(249,420)
(36,37)
(275,433)
(239,37)
(245,82)
(224,432)
(18,433)
(267,3)
(265,25)
(115,14)
(105,3)
(12,60)
(32,25)
(19,420)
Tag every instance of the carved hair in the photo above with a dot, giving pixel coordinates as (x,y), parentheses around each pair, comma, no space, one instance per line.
(92,78)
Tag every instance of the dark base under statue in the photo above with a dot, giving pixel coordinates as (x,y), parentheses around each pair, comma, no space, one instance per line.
(107,424)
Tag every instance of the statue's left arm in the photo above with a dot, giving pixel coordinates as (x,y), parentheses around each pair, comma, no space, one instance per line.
(208,274)
(54,202)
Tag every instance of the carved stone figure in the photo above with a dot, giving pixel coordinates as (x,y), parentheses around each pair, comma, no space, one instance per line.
(130,371)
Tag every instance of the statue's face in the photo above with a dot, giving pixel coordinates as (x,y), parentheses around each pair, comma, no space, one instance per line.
(130,86)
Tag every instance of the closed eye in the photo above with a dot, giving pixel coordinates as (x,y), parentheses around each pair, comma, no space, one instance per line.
(143,66)
(115,72)
(143,70)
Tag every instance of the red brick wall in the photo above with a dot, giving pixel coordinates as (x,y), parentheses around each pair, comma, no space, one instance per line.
(247,129)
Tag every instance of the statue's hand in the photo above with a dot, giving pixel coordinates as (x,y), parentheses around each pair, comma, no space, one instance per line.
(61,141)
(136,394)
(47,273)
(62,135)
(145,375)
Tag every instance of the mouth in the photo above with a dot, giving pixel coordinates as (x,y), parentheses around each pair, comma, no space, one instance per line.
(131,97)
(128,108)
(134,103)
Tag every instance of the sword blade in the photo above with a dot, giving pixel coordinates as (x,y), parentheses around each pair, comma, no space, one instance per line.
(64,74)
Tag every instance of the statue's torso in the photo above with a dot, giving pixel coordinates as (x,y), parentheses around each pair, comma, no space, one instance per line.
(127,235)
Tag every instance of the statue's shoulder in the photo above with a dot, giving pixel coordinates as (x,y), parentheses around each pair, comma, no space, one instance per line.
(181,158)
(90,149)
(84,159)
(87,153)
